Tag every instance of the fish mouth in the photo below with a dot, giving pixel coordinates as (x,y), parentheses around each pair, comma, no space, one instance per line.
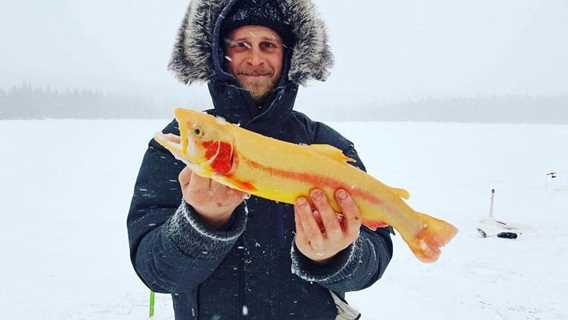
(172,143)
(186,154)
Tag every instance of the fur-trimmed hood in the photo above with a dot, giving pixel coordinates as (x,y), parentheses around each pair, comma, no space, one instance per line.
(199,37)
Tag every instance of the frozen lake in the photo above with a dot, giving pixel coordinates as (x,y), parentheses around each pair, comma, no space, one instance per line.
(66,187)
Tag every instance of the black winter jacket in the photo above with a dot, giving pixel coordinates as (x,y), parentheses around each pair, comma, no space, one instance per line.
(250,269)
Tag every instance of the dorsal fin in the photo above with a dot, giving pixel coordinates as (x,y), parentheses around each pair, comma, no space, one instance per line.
(403,193)
(330,152)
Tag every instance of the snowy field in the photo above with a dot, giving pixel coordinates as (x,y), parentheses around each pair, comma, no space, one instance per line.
(66,186)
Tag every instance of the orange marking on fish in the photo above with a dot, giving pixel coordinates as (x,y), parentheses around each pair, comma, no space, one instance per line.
(245,185)
(223,153)
(224,162)
(316,180)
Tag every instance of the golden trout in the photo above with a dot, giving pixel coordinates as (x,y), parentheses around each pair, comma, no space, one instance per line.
(283,171)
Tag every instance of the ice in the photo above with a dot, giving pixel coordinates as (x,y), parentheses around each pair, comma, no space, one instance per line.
(79,211)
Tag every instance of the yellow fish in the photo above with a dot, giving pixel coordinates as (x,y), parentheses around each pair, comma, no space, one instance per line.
(283,171)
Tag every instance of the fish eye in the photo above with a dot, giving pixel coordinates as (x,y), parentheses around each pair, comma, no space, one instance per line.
(198,132)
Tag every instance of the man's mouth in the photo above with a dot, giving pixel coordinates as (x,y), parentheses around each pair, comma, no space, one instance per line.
(255,74)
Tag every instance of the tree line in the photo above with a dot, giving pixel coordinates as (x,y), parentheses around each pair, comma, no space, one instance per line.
(496,109)
(27,102)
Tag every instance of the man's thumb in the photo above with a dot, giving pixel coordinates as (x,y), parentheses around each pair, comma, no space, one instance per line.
(184,176)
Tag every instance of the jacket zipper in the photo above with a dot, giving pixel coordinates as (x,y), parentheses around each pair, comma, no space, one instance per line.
(242,289)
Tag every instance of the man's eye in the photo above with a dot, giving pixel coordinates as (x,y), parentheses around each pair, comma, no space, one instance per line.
(268,45)
(240,45)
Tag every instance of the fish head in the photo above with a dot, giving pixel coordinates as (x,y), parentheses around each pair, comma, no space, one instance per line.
(205,142)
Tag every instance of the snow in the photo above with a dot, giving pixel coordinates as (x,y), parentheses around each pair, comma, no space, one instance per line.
(66,186)
(220,120)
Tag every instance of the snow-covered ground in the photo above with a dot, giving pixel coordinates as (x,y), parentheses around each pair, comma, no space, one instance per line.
(66,185)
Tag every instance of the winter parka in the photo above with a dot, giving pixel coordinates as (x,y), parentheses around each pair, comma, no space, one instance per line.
(250,269)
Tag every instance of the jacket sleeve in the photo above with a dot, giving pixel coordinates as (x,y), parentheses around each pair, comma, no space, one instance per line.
(364,261)
(171,249)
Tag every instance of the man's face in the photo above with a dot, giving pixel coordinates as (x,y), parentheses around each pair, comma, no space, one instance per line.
(255,55)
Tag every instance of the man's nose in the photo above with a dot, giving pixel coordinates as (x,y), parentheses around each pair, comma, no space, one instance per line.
(255,57)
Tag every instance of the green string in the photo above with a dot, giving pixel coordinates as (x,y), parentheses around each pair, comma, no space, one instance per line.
(152,301)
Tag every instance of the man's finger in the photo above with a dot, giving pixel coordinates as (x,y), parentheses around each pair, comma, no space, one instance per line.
(309,224)
(227,194)
(216,187)
(317,216)
(184,176)
(198,183)
(300,235)
(234,193)
(327,214)
(351,213)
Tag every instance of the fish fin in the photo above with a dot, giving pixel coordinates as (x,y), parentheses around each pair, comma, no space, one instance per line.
(402,193)
(434,235)
(330,152)
(374,225)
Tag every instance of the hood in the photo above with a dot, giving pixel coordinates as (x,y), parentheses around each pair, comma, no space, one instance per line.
(199,37)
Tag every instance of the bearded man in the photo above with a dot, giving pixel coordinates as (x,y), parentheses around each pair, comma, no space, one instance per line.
(219,253)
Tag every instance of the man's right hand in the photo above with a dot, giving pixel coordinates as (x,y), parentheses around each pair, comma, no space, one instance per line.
(213,201)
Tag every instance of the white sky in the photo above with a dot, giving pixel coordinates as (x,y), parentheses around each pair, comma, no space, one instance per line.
(395,50)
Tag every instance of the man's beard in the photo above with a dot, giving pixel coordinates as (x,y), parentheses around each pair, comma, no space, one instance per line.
(259,88)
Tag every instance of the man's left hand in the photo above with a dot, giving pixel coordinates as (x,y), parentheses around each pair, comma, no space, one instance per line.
(321,233)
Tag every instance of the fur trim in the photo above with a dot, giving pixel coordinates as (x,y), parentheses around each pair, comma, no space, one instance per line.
(191,59)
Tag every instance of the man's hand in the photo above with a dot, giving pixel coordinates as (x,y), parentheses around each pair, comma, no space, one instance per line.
(213,201)
(320,232)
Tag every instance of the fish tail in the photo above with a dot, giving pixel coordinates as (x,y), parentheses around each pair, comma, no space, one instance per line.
(434,235)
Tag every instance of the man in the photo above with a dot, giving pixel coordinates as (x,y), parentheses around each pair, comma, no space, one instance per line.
(221,255)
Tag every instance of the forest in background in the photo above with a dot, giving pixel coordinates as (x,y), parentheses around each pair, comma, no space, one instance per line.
(28,102)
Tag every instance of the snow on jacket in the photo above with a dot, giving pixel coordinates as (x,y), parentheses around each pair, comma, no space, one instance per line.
(251,268)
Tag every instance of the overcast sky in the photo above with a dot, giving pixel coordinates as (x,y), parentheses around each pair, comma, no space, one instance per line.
(385,50)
